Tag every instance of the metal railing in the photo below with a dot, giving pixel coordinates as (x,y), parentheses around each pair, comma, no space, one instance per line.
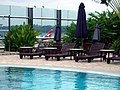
(23,17)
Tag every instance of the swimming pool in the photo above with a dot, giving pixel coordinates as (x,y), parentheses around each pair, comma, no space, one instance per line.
(16,78)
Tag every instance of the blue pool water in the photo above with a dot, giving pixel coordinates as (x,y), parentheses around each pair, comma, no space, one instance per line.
(12,78)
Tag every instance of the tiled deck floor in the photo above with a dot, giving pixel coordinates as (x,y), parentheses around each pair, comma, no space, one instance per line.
(95,65)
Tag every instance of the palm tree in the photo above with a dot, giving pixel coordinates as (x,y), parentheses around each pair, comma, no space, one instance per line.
(114,4)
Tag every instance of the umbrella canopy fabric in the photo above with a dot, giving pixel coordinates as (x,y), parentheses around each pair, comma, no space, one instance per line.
(96,35)
(81,28)
(57,36)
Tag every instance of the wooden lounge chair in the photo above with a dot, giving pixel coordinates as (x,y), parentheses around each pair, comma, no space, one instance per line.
(63,53)
(27,52)
(92,53)
(115,57)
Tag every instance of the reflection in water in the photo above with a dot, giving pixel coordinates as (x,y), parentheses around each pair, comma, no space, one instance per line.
(27,79)
(41,79)
(57,78)
(15,78)
(67,81)
(102,82)
(80,82)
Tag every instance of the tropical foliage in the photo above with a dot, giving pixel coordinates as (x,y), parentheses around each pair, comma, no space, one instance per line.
(23,35)
(115,5)
(70,35)
(108,22)
(115,45)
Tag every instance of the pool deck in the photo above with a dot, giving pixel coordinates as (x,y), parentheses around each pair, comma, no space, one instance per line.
(95,65)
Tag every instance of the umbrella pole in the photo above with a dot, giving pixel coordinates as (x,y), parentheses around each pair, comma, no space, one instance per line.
(82,43)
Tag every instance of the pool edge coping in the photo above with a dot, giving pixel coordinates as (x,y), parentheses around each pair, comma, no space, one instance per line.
(66,69)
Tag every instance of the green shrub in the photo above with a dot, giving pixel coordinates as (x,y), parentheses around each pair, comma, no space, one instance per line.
(70,35)
(115,45)
(23,35)
(109,24)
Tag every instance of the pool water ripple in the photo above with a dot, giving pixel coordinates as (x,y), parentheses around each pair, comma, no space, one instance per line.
(14,78)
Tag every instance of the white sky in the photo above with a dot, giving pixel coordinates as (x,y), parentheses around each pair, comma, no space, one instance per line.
(90,6)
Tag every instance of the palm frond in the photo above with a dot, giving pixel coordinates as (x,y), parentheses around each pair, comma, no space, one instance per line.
(115,5)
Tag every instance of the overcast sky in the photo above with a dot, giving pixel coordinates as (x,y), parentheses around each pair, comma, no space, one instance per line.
(90,6)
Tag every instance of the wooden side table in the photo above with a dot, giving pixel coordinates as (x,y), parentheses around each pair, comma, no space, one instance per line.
(107,53)
(50,50)
(26,49)
(75,51)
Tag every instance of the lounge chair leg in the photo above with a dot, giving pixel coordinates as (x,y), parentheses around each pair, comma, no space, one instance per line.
(76,60)
(46,58)
(101,59)
(108,61)
(39,55)
(58,58)
(31,57)
(21,56)
(104,58)
(89,60)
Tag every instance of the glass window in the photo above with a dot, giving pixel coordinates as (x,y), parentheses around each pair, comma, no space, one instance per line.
(4,10)
(17,21)
(36,12)
(72,14)
(3,27)
(64,25)
(18,11)
(44,12)
(69,14)
(44,25)
(64,14)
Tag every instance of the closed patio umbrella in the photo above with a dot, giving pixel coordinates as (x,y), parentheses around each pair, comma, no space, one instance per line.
(96,35)
(57,36)
(81,28)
